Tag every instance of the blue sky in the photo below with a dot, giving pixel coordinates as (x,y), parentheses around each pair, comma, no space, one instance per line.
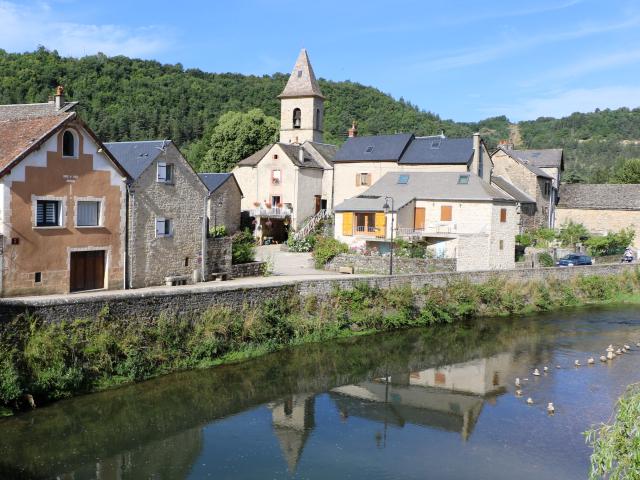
(465,60)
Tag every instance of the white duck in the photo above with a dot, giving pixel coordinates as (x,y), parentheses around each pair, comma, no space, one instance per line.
(591,361)
(517,382)
(529,401)
(603,358)
(536,373)
(577,363)
(610,355)
(550,408)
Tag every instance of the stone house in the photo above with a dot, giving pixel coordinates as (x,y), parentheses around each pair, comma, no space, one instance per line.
(223,204)
(166,228)
(62,203)
(457,214)
(601,208)
(363,160)
(286,183)
(537,173)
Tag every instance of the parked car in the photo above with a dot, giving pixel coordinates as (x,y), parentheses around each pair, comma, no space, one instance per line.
(574,259)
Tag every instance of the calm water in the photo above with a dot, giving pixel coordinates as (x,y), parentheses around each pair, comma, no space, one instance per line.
(428,403)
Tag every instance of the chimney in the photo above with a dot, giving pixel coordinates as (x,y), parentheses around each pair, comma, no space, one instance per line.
(506,144)
(59,98)
(301,155)
(353,131)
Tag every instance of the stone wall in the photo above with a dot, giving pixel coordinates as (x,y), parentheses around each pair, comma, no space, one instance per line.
(224,206)
(251,269)
(189,299)
(218,259)
(380,265)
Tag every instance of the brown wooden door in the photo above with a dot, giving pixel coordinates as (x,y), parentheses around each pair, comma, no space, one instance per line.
(87,270)
(418,223)
(318,203)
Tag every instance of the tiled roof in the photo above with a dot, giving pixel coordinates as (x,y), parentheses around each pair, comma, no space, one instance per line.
(213,181)
(327,150)
(33,110)
(293,153)
(375,148)
(302,82)
(255,158)
(423,186)
(602,196)
(18,136)
(512,190)
(135,157)
(523,160)
(546,158)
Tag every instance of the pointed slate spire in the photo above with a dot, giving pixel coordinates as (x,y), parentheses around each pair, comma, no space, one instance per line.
(302,82)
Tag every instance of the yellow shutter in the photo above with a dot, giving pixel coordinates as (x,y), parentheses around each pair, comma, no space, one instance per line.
(381,223)
(347,224)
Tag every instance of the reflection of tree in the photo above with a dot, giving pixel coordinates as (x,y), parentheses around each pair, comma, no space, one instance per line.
(123,420)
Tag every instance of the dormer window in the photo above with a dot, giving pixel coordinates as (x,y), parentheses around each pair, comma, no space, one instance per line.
(297,118)
(435,144)
(369,149)
(463,180)
(68,144)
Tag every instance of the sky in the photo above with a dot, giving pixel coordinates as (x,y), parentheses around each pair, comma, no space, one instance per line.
(465,60)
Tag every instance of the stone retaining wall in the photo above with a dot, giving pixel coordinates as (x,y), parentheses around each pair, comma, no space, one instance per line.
(149,304)
(251,269)
(380,265)
(218,255)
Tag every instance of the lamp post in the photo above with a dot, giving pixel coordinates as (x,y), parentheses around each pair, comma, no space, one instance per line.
(386,209)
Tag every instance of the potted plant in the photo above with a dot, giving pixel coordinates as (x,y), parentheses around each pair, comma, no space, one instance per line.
(279,205)
(267,204)
(256,204)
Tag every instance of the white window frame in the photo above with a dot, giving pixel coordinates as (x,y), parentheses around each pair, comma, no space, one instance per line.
(167,167)
(101,214)
(76,144)
(276,179)
(164,233)
(62,214)
(367,179)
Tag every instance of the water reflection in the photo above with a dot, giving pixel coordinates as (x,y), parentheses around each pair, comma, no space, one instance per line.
(265,417)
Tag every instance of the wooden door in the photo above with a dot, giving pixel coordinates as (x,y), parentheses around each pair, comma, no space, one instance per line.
(318,203)
(87,270)
(418,219)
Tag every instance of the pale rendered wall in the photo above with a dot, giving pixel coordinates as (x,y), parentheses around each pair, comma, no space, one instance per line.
(248,181)
(309,185)
(602,221)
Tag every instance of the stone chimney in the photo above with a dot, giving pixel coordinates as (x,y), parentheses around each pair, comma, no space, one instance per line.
(59,98)
(353,131)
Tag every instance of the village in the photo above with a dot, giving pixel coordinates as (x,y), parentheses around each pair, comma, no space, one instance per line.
(79,214)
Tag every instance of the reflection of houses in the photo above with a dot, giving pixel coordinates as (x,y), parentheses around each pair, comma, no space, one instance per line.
(287,182)
(293,420)
(449,397)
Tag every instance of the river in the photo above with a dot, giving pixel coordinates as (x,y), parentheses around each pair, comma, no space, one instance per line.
(426,403)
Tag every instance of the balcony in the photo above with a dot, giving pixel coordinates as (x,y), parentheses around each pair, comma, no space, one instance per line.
(274,212)
(366,231)
(440,229)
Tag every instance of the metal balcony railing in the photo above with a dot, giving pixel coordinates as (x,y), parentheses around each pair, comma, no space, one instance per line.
(274,212)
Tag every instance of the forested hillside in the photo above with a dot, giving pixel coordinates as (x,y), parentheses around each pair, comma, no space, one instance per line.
(128,99)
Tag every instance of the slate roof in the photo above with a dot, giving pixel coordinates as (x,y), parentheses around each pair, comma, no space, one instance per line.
(523,160)
(407,149)
(512,190)
(374,148)
(33,110)
(135,157)
(302,82)
(213,181)
(20,136)
(293,153)
(422,186)
(546,158)
(604,196)
(255,158)
(327,150)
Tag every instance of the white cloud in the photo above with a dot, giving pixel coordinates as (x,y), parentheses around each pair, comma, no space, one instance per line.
(24,27)
(561,104)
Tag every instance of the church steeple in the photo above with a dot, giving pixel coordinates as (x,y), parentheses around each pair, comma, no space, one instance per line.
(301,104)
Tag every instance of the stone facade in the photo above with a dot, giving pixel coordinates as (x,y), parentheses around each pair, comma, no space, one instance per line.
(380,264)
(600,222)
(197,298)
(251,269)
(218,258)
(182,201)
(224,205)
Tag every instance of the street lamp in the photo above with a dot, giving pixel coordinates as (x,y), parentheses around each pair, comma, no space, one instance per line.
(386,209)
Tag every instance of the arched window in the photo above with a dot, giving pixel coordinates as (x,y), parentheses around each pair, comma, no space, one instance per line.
(318,120)
(68,144)
(297,118)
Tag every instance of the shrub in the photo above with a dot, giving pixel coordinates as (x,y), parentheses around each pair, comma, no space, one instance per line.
(613,243)
(243,247)
(302,245)
(525,239)
(546,260)
(218,231)
(571,233)
(326,248)
(403,248)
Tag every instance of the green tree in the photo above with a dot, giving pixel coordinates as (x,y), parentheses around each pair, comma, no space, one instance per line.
(627,172)
(236,136)
(571,233)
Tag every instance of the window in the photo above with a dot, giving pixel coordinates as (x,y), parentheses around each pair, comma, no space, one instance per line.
(275,156)
(501,244)
(276,177)
(299,73)
(547,189)
(68,144)
(297,118)
(446,213)
(48,213)
(88,214)
(165,172)
(186,261)
(318,119)
(363,179)
(275,200)
(369,149)
(164,227)
(37,277)
(403,179)
(463,180)
(503,215)
(435,144)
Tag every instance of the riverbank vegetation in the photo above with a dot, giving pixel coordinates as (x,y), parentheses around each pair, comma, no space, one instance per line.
(616,446)
(42,362)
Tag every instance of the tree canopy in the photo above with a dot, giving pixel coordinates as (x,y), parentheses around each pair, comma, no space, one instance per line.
(627,172)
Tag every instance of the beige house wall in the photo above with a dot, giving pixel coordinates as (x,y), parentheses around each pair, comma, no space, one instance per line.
(601,221)
(183,201)
(345,175)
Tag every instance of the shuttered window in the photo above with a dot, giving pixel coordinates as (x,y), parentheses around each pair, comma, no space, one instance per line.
(165,172)
(164,227)
(503,215)
(381,224)
(48,213)
(347,224)
(88,214)
(363,179)
(446,213)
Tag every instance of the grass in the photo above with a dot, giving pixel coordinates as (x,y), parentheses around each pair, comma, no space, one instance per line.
(46,362)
